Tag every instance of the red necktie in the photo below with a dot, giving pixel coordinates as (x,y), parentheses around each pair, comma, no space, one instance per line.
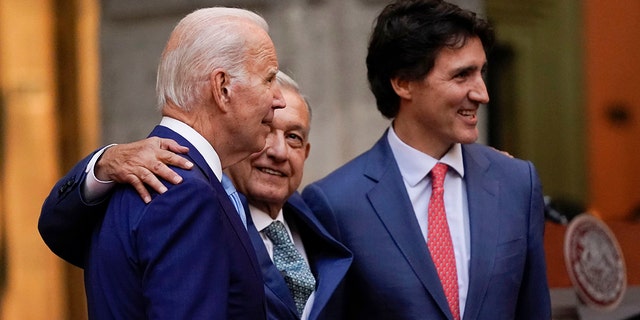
(439,240)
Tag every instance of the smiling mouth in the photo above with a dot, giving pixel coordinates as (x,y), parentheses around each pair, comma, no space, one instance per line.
(471,114)
(271,172)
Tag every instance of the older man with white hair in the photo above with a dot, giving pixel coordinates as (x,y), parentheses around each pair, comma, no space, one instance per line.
(184,253)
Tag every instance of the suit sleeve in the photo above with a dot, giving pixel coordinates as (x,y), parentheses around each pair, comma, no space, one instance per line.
(534,301)
(66,220)
(182,245)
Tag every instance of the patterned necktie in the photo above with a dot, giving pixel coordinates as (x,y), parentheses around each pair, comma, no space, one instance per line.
(439,240)
(291,264)
(232,193)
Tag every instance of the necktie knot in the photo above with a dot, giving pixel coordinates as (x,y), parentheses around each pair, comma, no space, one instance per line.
(438,173)
(291,264)
(277,233)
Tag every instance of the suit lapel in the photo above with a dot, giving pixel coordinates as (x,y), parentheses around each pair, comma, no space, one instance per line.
(392,205)
(482,197)
(236,223)
(329,260)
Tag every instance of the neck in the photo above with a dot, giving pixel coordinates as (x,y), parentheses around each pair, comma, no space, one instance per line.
(413,135)
(269,208)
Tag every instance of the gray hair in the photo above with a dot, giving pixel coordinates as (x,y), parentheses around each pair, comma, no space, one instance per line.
(202,41)
(288,83)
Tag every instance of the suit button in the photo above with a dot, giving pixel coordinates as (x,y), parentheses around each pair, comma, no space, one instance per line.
(66,186)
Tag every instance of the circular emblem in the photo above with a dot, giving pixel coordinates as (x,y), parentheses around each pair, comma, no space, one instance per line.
(594,262)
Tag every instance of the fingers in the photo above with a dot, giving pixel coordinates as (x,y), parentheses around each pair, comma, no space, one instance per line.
(171,145)
(162,170)
(142,180)
(143,164)
(503,152)
(142,190)
(172,159)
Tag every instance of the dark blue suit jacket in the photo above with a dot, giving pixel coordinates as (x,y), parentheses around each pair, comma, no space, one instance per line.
(186,255)
(364,204)
(329,261)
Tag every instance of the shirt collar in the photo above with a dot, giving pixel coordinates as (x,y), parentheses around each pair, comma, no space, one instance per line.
(198,141)
(262,219)
(415,165)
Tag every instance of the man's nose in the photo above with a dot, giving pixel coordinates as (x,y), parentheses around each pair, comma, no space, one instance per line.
(479,92)
(278,98)
(276,146)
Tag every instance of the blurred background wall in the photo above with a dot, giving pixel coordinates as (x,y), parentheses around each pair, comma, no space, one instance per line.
(78,74)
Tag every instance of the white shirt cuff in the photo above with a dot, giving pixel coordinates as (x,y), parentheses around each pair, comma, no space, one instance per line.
(94,189)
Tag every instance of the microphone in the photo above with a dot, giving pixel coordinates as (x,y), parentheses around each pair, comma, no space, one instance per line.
(550,213)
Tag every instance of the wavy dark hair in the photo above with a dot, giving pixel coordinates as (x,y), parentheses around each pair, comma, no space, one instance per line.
(407,37)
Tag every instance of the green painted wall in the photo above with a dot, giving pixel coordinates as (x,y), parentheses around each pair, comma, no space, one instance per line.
(539,112)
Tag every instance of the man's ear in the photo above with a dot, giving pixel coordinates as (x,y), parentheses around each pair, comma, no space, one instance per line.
(402,87)
(306,151)
(219,86)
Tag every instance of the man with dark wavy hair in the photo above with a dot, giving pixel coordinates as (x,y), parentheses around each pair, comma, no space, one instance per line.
(440,227)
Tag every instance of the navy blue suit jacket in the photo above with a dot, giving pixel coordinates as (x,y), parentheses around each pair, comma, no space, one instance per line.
(364,204)
(329,261)
(185,255)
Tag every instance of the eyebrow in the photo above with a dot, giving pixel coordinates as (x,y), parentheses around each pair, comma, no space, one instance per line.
(297,127)
(468,68)
(465,69)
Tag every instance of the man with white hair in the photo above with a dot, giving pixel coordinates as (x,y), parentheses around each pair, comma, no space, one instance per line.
(269,180)
(185,253)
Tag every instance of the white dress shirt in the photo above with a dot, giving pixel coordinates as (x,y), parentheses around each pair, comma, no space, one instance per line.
(262,220)
(415,166)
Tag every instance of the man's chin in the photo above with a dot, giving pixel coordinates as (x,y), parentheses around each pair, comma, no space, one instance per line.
(268,196)
(468,137)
